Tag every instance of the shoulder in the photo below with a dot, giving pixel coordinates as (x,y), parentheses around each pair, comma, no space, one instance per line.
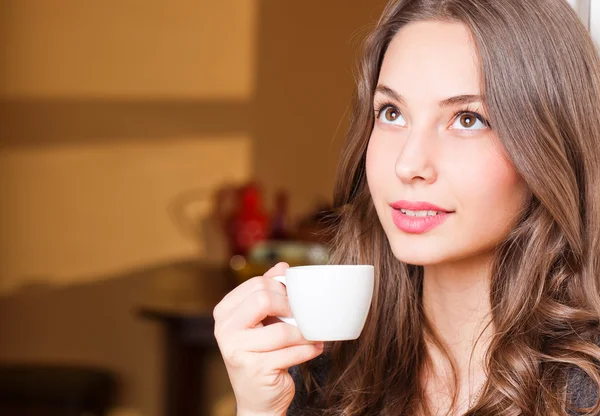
(582,391)
(319,369)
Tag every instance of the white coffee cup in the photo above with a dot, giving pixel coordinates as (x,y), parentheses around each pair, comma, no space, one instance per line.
(329,302)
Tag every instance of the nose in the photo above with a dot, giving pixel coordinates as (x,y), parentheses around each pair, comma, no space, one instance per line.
(415,162)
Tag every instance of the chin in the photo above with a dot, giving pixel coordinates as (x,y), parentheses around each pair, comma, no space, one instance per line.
(417,256)
(429,254)
(429,251)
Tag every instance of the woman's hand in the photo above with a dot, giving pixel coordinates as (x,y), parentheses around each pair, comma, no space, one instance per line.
(257,354)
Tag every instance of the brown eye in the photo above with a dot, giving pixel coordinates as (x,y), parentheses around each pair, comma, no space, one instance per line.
(391,114)
(467,120)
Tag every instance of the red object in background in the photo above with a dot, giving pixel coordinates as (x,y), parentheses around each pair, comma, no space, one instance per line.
(249,223)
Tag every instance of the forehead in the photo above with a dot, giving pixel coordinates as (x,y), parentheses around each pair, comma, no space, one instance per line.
(431,60)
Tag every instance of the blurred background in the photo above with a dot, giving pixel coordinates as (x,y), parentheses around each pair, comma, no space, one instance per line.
(155,154)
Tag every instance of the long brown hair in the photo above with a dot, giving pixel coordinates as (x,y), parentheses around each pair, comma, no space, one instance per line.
(541,85)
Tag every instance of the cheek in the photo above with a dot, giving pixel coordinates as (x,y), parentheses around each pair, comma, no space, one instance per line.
(374,166)
(491,192)
(379,166)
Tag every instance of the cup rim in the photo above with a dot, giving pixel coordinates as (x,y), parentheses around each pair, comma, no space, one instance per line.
(328,266)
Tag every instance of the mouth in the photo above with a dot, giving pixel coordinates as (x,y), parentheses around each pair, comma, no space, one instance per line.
(418,208)
(418,217)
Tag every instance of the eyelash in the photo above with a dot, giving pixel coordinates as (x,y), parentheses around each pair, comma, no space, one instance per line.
(383,106)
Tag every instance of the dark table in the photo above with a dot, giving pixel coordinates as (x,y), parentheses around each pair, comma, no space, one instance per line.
(188,339)
(44,389)
(186,314)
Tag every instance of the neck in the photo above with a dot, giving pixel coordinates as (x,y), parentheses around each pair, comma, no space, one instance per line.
(457,304)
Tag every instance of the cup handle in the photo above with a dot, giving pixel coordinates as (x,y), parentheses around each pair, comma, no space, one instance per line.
(291,321)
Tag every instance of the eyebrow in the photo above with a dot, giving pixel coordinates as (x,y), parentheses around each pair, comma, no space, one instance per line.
(448,102)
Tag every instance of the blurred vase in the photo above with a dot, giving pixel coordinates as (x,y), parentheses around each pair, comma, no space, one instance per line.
(249,223)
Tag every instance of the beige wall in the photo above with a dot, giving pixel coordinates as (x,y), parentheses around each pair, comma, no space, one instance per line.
(304,88)
(128,48)
(72,213)
(86,203)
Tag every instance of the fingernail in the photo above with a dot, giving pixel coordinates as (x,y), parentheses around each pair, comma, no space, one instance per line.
(320,345)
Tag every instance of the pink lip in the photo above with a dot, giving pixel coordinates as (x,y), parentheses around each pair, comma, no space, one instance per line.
(417,225)
(417,206)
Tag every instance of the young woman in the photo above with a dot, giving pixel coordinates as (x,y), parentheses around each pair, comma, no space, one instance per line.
(471,180)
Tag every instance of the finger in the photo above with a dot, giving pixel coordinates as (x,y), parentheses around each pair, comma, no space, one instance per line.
(291,356)
(234,298)
(249,286)
(277,270)
(256,308)
(273,337)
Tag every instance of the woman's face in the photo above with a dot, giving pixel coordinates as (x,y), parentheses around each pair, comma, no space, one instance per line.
(439,177)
